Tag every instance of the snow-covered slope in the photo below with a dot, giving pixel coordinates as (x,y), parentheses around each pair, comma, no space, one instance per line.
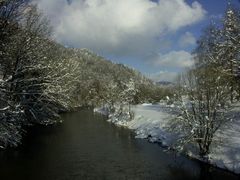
(150,121)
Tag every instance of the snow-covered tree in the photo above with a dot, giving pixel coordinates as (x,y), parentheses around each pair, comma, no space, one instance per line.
(11,114)
(207,51)
(202,110)
(230,46)
(211,85)
(26,76)
(218,47)
(126,97)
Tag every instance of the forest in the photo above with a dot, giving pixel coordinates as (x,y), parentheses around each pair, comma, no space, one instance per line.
(41,79)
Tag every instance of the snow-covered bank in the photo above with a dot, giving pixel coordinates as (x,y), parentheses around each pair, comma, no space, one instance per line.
(150,121)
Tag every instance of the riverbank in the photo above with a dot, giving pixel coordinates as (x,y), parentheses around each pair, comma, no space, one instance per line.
(150,122)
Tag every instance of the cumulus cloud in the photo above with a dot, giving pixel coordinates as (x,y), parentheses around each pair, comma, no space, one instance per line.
(187,39)
(173,59)
(118,27)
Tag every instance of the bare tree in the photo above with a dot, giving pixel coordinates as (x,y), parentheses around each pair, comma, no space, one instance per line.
(202,112)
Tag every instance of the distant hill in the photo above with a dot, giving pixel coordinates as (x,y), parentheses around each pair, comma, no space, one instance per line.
(99,76)
(164,83)
(101,68)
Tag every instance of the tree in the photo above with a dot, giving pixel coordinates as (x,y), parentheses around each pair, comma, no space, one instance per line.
(11,114)
(208,50)
(10,15)
(203,112)
(27,77)
(210,86)
(230,46)
(29,89)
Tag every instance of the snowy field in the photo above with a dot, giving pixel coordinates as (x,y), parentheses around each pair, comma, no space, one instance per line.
(150,121)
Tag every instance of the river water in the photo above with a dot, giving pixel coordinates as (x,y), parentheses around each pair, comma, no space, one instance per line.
(85,146)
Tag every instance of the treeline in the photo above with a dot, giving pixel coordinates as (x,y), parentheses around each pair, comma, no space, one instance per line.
(103,82)
(208,90)
(40,78)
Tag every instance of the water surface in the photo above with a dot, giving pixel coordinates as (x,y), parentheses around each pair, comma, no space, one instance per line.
(85,146)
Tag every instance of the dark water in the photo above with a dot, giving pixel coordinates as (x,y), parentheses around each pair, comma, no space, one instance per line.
(85,146)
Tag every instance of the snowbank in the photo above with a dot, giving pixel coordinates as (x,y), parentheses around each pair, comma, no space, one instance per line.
(102,110)
(150,121)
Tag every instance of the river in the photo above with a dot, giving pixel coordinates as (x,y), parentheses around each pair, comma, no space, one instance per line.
(85,146)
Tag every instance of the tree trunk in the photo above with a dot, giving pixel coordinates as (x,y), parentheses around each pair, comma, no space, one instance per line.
(232,83)
(203,148)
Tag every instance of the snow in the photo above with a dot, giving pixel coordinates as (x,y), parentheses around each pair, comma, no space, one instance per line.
(151,120)
(101,110)
(226,147)
(5,108)
(146,104)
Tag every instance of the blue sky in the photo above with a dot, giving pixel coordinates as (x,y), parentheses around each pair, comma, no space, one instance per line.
(155,37)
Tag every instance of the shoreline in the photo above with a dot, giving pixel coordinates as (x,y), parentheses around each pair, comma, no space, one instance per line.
(150,121)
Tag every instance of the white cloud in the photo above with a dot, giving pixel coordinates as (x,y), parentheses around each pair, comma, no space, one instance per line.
(164,76)
(173,59)
(187,39)
(118,27)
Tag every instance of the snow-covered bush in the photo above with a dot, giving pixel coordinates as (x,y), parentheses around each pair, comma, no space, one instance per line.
(121,115)
(203,112)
